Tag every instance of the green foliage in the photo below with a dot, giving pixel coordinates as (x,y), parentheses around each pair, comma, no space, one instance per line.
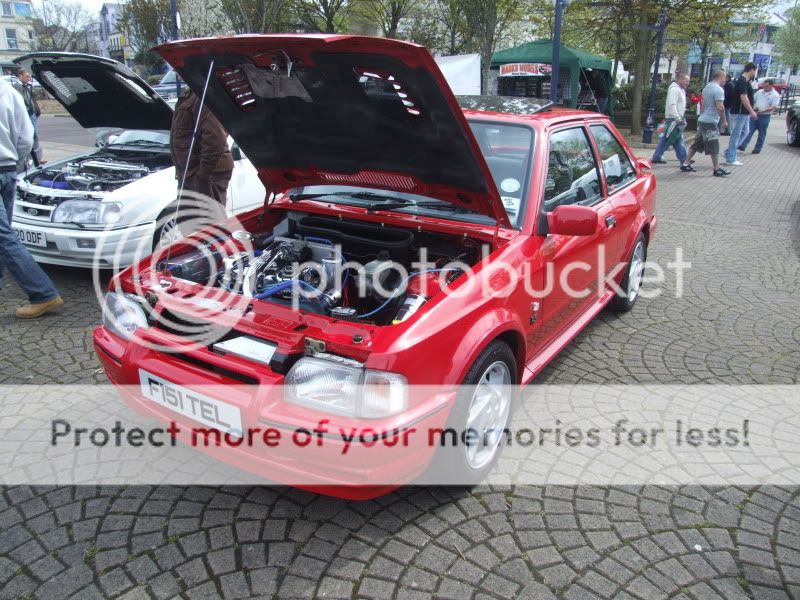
(257,16)
(788,39)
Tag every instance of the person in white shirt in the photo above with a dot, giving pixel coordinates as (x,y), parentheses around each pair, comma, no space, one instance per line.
(766,101)
(674,112)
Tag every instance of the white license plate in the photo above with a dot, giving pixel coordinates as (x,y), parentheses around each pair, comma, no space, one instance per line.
(32,238)
(205,410)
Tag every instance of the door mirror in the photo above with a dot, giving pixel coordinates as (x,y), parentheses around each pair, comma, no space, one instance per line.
(644,165)
(236,152)
(572,220)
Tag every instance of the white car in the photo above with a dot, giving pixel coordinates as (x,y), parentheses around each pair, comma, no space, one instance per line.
(119,197)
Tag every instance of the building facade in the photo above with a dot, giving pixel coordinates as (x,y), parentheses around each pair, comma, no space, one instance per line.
(16,29)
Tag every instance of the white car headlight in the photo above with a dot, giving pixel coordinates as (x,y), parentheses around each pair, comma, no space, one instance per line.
(123,315)
(89,212)
(338,388)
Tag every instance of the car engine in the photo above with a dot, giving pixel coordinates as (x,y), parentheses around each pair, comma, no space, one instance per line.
(101,172)
(347,270)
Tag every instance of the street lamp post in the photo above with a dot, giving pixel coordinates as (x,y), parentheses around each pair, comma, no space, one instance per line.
(556,51)
(647,132)
(173,10)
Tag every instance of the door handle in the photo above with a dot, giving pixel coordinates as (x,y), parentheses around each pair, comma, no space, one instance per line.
(611,222)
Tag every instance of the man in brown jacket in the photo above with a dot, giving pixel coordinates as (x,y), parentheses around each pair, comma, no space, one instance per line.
(210,167)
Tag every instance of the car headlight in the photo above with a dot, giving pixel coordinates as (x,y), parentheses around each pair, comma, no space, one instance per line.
(90,212)
(123,315)
(343,389)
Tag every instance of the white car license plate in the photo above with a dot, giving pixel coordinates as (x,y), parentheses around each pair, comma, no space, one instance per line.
(32,238)
(205,410)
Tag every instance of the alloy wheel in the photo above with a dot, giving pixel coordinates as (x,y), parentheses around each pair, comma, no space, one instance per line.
(636,272)
(488,414)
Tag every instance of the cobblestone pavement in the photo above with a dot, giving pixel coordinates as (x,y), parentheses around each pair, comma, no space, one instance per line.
(737,323)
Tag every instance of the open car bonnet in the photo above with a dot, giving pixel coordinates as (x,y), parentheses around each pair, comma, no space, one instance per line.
(98,92)
(341,110)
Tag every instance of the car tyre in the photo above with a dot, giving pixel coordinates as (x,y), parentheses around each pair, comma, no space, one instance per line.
(632,281)
(168,229)
(793,132)
(484,404)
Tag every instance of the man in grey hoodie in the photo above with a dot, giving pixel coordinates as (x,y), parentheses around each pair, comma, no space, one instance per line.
(16,142)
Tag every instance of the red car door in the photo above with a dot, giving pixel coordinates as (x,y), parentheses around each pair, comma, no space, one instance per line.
(574,265)
(623,187)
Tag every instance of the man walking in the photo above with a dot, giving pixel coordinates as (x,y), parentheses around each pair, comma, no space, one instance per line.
(16,141)
(674,117)
(766,101)
(707,138)
(210,167)
(34,112)
(741,112)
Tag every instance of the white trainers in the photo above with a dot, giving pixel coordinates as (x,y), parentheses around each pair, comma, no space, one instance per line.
(735,163)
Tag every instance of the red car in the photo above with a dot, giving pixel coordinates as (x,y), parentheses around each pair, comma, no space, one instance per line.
(508,227)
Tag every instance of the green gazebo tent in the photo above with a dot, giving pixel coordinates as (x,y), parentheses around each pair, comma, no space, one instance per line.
(572,60)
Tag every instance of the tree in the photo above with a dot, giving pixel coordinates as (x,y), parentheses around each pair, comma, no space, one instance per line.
(146,22)
(788,39)
(485,22)
(60,26)
(256,16)
(201,18)
(386,13)
(325,16)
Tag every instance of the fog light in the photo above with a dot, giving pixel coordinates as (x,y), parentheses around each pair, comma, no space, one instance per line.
(85,243)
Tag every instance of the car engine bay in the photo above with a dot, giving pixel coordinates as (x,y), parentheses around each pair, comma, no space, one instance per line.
(348,270)
(103,171)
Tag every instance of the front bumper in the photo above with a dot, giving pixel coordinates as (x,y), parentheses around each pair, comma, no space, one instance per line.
(90,248)
(361,470)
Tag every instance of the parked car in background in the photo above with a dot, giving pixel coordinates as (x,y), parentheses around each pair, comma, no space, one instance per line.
(793,125)
(123,193)
(374,161)
(167,88)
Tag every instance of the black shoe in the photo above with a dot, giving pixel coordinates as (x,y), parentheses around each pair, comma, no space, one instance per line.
(721,172)
(688,168)
(741,148)
(756,151)
(659,162)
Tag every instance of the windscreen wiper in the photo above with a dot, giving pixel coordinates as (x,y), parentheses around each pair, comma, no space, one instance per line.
(357,195)
(147,143)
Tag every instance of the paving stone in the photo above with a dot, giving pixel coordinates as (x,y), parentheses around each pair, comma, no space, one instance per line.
(115,582)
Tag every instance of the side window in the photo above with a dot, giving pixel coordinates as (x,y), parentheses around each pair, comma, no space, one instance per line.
(572,174)
(616,164)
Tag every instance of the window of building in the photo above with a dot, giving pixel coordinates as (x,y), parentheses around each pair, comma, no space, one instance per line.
(7,12)
(23,9)
(11,39)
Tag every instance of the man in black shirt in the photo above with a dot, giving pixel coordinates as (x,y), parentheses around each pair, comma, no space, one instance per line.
(741,112)
(728,89)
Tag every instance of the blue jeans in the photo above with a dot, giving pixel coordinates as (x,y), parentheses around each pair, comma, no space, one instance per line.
(726,130)
(680,149)
(14,256)
(739,128)
(760,126)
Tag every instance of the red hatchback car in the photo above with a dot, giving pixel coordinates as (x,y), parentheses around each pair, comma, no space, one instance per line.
(406,240)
